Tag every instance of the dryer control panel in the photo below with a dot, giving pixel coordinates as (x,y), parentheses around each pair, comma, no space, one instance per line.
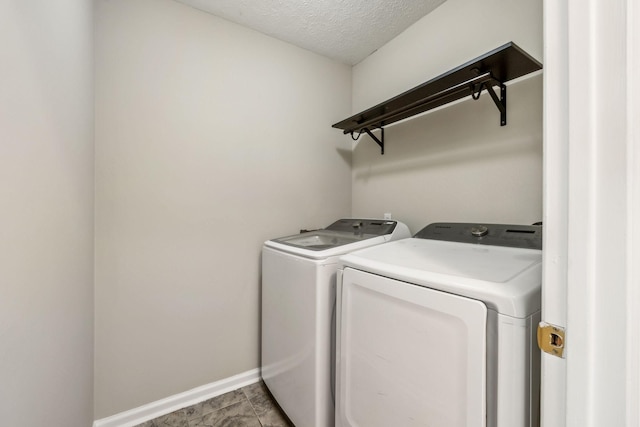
(513,236)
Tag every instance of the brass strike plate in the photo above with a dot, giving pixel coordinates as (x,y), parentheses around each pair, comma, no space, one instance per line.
(551,339)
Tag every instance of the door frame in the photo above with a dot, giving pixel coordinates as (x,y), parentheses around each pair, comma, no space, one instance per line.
(591,211)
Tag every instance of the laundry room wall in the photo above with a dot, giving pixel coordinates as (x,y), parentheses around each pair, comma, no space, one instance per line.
(46,218)
(455,163)
(210,139)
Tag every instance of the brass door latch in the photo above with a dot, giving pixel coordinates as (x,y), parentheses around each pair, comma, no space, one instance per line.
(551,339)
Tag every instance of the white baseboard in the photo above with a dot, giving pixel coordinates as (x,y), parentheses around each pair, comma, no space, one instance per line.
(169,404)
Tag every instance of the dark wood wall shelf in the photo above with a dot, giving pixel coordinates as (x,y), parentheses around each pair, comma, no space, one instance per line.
(490,70)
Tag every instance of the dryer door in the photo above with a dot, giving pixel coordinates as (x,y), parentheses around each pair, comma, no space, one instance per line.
(409,355)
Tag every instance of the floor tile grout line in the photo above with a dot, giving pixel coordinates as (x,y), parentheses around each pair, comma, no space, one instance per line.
(252,406)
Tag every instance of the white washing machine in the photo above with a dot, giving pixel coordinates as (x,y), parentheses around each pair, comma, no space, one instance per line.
(439,330)
(298,313)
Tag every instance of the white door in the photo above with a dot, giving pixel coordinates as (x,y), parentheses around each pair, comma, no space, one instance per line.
(591,283)
(409,355)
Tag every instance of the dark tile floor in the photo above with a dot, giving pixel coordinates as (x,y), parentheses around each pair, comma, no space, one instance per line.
(250,406)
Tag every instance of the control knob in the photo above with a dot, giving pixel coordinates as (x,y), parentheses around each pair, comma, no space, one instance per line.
(479,230)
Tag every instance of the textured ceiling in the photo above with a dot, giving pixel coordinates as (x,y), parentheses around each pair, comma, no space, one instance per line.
(346,30)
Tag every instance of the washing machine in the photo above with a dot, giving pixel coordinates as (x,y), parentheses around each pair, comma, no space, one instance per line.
(298,313)
(439,330)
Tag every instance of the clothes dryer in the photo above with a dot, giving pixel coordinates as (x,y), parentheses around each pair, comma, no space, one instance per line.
(298,313)
(439,329)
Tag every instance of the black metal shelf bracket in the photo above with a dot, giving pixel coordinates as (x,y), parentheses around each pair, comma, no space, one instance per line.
(379,141)
(501,102)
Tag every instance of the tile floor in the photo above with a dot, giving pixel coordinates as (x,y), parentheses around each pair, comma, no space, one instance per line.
(250,406)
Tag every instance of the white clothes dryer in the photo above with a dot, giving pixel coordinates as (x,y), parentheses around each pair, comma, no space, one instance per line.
(298,313)
(439,330)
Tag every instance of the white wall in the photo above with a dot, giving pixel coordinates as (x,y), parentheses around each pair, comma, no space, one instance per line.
(46,213)
(210,139)
(456,163)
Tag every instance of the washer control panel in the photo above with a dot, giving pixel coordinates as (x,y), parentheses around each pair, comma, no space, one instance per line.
(376,227)
(514,236)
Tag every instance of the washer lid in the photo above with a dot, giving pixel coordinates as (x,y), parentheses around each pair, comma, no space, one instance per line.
(506,279)
(323,239)
(342,236)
